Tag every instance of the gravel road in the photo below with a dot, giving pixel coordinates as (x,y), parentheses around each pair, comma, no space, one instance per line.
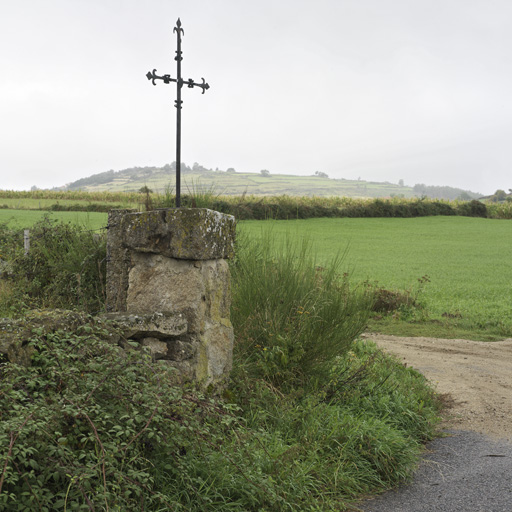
(469,470)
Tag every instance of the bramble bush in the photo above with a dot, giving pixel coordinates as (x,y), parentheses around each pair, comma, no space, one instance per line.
(83,425)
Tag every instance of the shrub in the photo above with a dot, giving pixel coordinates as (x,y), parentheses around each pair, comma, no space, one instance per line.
(64,268)
(400,302)
(391,300)
(88,207)
(472,208)
(500,210)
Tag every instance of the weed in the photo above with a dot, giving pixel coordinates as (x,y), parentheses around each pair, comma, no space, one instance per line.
(402,303)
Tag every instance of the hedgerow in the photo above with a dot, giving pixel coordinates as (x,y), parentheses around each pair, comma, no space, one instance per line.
(282,207)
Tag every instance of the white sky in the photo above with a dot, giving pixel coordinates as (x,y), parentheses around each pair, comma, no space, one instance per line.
(418,90)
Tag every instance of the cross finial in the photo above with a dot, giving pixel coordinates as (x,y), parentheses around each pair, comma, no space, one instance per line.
(178,28)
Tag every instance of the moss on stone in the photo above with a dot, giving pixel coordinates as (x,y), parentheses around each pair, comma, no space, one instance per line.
(185,233)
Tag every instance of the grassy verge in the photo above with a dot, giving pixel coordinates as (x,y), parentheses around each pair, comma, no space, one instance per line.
(467,292)
(311,420)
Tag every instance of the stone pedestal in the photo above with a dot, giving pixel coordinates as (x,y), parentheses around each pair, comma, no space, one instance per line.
(172,263)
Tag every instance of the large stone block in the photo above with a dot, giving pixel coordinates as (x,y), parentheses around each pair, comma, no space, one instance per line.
(184,233)
(118,262)
(196,289)
(195,234)
(216,351)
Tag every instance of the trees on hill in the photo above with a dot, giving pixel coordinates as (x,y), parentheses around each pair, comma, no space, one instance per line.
(436,192)
(500,196)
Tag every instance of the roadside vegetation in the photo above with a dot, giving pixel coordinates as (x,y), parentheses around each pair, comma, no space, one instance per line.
(64,268)
(312,419)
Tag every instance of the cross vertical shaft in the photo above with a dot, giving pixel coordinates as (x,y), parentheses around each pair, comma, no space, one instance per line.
(179,84)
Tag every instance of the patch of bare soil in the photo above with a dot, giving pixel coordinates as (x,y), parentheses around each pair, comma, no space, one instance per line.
(474,377)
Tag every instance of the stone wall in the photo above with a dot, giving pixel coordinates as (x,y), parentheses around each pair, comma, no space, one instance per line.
(171,263)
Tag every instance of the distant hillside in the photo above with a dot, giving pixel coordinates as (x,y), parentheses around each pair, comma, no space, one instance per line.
(230,182)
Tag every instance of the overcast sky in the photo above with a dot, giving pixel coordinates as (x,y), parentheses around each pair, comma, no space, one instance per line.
(384,90)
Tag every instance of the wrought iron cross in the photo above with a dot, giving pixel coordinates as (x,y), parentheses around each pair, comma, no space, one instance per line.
(179,84)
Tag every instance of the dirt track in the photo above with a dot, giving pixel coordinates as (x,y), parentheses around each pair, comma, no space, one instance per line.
(474,376)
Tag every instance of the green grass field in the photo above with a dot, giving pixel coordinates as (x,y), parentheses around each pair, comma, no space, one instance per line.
(40,204)
(466,259)
(24,219)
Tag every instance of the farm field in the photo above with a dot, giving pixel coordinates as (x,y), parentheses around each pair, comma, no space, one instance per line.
(131,180)
(27,203)
(24,219)
(467,261)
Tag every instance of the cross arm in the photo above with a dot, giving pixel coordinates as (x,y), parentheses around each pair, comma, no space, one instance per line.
(190,84)
(151,75)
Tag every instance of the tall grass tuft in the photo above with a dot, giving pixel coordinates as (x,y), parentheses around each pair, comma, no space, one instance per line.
(293,317)
(196,196)
(199,195)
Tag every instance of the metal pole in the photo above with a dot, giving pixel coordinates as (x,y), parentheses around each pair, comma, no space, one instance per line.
(179,84)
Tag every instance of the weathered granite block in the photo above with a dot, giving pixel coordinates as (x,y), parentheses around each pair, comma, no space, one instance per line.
(118,261)
(196,289)
(172,263)
(158,349)
(183,233)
